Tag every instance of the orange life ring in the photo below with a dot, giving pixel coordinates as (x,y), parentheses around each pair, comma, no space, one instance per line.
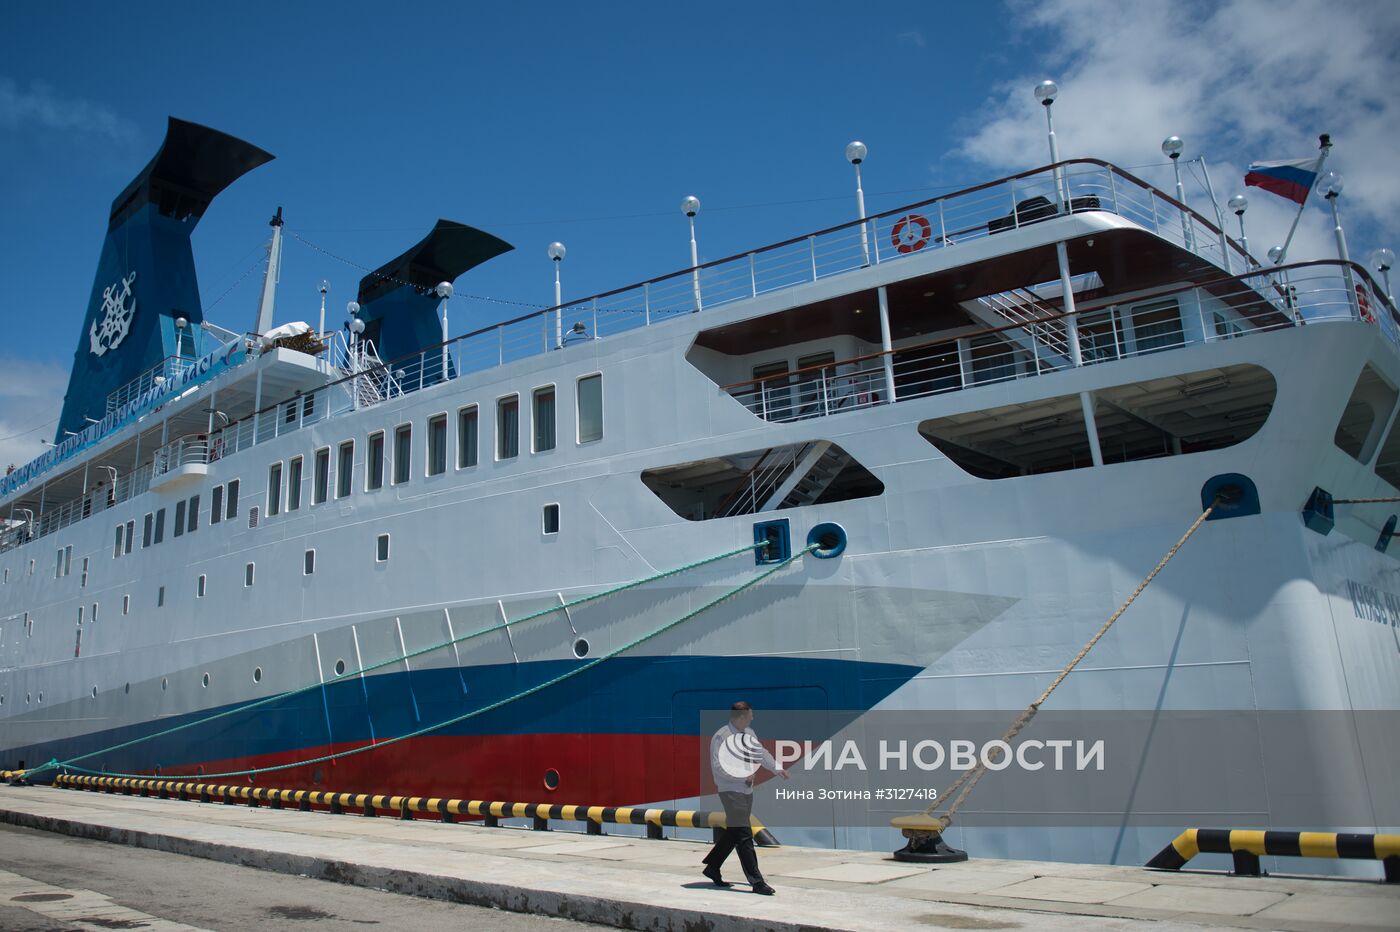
(1364,306)
(904,238)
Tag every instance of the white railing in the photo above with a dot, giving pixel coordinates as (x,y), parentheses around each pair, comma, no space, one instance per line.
(1309,294)
(193,449)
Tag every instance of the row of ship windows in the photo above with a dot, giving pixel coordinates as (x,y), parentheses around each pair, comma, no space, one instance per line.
(581,648)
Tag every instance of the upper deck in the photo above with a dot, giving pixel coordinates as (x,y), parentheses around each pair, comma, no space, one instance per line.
(990,244)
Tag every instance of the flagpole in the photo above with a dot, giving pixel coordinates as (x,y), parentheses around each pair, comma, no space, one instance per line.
(1326,146)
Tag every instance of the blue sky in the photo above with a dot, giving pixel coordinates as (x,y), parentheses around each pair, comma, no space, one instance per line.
(588,124)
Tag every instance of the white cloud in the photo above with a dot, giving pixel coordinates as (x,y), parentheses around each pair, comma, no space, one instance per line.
(40,105)
(31,396)
(912,37)
(1239,80)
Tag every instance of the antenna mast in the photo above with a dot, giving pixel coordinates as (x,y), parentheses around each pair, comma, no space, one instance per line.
(273,276)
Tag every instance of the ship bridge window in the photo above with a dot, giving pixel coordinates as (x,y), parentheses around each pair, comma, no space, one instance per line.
(790,476)
(590,408)
(1365,416)
(508,427)
(437,444)
(466,437)
(1186,413)
(542,419)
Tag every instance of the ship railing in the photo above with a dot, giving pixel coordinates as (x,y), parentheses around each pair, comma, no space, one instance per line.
(109,489)
(168,368)
(192,449)
(1303,294)
(941,222)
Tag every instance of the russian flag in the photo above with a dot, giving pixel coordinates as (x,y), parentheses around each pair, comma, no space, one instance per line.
(1292,178)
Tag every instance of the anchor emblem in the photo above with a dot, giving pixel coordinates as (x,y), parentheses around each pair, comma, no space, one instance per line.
(116,321)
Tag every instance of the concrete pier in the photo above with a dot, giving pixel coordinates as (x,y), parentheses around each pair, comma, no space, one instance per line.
(638,883)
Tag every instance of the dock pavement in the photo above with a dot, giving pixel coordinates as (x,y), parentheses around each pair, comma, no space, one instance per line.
(638,883)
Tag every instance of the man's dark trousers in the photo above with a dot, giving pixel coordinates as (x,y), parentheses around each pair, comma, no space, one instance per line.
(738,836)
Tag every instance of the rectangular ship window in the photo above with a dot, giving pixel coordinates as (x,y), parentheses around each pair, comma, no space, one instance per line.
(232,511)
(126,605)
(374,462)
(179,527)
(437,444)
(590,408)
(202,587)
(194,514)
(345,469)
(274,490)
(466,437)
(160,525)
(85,571)
(403,453)
(308,563)
(294,483)
(551,518)
(248,575)
(542,419)
(146,531)
(160,597)
(320,477)
(508,427)
(116,549)
(130,536)
(216,505)
(381,548)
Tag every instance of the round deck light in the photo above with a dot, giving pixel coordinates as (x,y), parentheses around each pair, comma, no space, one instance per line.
(352,308)
(856,152)
(1382,260)
(1046,92)
(1239,204)
(1330,184)
(1275,254)
(557,251)
(444,289)
(1172,146)
(690,206)
(357,325)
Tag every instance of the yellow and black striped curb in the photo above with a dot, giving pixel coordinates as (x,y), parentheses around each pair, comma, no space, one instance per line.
(490,812)
(1246,846)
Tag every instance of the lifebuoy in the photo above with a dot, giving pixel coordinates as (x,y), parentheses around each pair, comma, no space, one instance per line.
(1364,306)
(906,238)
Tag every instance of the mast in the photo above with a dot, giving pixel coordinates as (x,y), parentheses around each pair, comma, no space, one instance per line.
(274,274)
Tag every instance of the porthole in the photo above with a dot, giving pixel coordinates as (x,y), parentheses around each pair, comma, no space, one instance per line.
(551,779)
(257,674)
(2,700)
(94,692)
(41,697)
(206,681)
(340,668)
(581,648)
(28,698)
(163,683)
(127,689)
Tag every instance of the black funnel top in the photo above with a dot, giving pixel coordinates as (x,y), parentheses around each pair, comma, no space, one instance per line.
(445,253)
(193,165)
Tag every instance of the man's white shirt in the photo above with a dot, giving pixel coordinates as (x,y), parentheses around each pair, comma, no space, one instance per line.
(725,782)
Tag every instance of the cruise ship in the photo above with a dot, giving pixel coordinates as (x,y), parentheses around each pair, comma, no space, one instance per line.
(907,463)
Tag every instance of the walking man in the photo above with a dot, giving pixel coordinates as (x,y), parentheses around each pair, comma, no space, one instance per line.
(735,756)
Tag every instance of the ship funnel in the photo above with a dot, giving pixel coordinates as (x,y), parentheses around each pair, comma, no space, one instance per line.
(399,300)
(145,274)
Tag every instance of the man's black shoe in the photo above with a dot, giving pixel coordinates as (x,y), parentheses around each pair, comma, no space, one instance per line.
(763,889)
(715,878)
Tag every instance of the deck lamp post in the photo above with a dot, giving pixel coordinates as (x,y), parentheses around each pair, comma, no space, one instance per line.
(1171,148)
(1046,92)
(1383,260)
(352,309)
(856,152)
(321,328)
(690,207)
(556,253)
(444,291)
(1330,185)
(1239,204)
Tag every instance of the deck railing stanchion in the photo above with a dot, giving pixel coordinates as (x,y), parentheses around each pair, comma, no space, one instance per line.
(753,277)
(886,344)
(812,247)
(942,226)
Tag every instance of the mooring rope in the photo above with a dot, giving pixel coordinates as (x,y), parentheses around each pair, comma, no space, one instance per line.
(248,707)
(972,775)
(375,745)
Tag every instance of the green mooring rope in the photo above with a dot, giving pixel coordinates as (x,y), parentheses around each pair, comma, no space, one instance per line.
(71,765)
